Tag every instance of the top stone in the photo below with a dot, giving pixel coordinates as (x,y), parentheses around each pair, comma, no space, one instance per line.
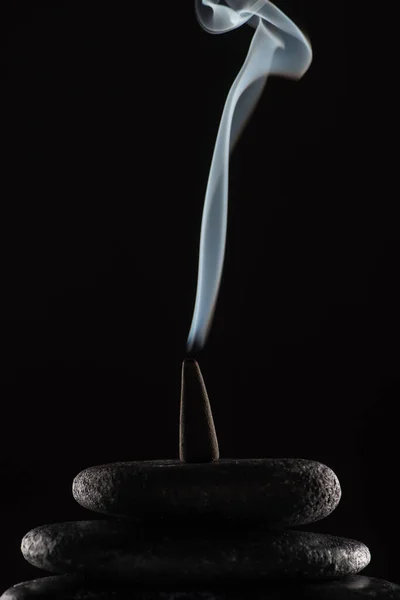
(280,492)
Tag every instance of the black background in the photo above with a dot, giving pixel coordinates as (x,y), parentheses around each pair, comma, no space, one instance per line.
(109,117)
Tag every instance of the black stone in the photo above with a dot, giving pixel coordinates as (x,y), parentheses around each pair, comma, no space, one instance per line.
(114,549)
(72,587)
(282,492)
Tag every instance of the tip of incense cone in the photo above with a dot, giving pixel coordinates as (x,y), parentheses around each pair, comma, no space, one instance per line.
(197,437)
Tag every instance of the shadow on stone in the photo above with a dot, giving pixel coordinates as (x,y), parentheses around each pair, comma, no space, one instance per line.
(73,587)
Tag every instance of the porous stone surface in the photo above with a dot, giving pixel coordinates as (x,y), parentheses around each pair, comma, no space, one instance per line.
(282,492)
(72,587)
(155,555)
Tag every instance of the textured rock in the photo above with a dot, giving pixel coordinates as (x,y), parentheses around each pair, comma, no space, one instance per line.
(284,492)
(146,555)
(71,587)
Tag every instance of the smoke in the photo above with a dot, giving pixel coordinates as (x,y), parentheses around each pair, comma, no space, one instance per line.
(278,47)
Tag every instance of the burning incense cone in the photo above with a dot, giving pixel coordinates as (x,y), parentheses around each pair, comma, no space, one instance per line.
(198,441)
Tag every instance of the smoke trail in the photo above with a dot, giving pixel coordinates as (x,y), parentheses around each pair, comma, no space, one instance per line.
(278,47)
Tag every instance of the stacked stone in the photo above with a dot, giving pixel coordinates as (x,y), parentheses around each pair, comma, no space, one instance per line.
(219,530)
(200,528)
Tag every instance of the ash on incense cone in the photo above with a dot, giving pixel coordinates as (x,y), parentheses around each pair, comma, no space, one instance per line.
(213,529)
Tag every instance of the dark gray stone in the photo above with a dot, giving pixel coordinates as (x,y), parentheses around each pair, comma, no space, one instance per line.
(282,492)
(146,555)
(71,587)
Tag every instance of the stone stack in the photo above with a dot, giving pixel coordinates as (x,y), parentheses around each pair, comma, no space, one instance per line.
(216,530)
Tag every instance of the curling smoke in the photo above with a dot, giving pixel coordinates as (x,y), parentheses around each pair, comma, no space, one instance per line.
(278,47)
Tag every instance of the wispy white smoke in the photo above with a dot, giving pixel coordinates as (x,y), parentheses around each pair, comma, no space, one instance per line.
(278,47)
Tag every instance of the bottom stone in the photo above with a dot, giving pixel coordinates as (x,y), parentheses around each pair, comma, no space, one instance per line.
(73,587)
